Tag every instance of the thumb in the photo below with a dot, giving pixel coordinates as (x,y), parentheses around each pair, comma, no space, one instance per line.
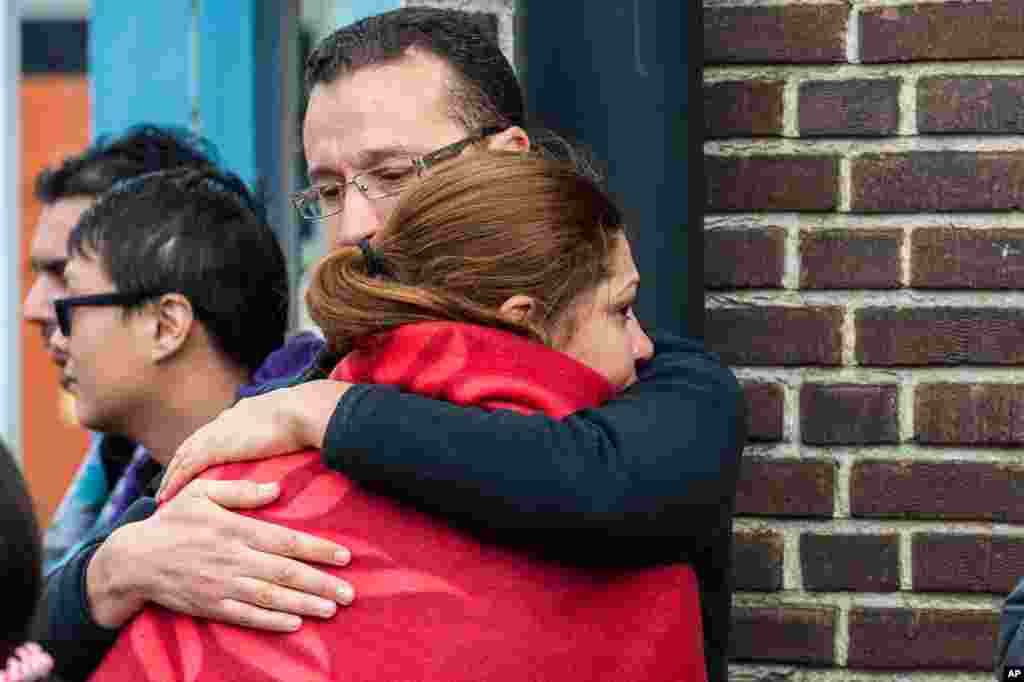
(235,494)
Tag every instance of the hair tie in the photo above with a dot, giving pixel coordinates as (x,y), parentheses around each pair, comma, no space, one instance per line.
(374,263)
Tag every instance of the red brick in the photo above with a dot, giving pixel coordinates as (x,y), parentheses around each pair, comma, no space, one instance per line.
(848,414)
(940,31)
(959,258)
(940,336)
(850,259)
(851,108)
(744,258)
(966,563)
(796,34)
(938,181)
(774,487)
(969,414)
(771,183)
(784,635)
(970,104)
(743,109)
(757,561)
(923,638)
(862,563)
(765,410)
(952,491)
(775,335)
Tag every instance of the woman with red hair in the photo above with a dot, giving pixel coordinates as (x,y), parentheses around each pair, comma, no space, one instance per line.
(504,282)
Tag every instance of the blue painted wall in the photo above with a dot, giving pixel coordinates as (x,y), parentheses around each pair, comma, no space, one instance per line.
(139,63)
(354,10)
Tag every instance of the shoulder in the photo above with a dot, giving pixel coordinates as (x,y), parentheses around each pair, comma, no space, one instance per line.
(685,361)
(285,366)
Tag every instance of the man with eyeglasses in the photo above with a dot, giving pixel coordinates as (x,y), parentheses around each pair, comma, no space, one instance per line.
(649,478)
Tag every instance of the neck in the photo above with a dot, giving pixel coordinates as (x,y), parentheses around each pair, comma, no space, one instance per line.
(183,402)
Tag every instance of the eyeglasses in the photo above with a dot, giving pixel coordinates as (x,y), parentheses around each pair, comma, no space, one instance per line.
(393,178)
(64,306)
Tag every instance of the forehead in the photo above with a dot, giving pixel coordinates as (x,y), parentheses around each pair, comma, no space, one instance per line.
(55,224)
(400,104)
(86,274)
(623,268)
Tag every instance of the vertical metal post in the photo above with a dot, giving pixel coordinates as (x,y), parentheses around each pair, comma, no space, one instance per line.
(623,77)
(10,229)
(10,148)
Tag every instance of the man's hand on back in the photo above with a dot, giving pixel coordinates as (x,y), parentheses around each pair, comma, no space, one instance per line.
(196,557)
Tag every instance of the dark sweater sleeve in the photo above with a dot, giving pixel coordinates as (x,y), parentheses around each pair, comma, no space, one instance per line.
(65,627)
(1011,634)
(659,461)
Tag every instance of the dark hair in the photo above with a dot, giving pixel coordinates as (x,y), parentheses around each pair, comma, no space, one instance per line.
(141,149)
(20,556)
(485,92)
(469,236)
(197,233)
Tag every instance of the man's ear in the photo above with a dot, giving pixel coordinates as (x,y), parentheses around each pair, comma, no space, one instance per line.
(513,139)
(173,319)
(519,308)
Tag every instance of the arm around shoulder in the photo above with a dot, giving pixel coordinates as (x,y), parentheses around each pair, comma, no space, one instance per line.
(659,461)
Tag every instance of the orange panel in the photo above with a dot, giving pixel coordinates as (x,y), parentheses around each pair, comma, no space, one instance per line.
(54,124)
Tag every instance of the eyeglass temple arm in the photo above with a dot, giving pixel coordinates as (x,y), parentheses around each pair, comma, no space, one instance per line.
(424,162)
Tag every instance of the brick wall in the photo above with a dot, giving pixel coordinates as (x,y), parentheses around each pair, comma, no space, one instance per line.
(864,248)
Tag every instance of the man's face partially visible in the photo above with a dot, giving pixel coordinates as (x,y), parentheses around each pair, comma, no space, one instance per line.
(106,358)
(370,117)
(48,257)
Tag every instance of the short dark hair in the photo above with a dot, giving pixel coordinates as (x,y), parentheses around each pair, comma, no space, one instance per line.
(141,149)
(20,556)
(486,92)
(199,233)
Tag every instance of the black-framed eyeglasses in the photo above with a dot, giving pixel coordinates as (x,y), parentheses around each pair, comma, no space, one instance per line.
(63,306)
(390,179)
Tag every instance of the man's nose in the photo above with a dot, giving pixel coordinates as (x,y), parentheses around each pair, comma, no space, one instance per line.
(38,306)
(357,220)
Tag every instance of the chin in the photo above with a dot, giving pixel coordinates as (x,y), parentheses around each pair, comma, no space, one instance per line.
(91,419)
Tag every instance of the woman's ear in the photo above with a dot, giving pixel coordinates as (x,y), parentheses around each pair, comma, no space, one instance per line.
(519,308)
(174,320)
(512,139)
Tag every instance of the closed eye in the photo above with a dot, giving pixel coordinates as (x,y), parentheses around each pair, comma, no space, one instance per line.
(329,191)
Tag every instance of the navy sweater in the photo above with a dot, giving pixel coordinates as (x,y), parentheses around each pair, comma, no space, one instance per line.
(647,478)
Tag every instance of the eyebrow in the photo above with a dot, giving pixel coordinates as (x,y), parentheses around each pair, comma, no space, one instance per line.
(54,266)
(368,158)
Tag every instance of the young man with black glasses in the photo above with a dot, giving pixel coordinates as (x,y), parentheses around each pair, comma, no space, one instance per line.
(107,480)
(159,329)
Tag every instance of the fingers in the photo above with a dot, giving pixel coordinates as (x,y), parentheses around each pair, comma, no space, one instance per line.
(309,582)
(188,462)
(285,600)
(239,613)
(234,494)
(279,541)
